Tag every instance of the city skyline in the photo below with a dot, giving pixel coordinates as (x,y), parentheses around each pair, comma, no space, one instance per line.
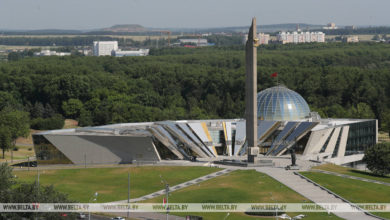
(88,14)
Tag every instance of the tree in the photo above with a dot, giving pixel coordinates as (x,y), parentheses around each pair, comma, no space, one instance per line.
(376,37)
(7,100)
(85,118)
(386,121)
(14,124)
(72,108)
(377,159)
(55,122)
(16,121)
(37,110)
(28,193)
(14,56)
(5,139)
(6,182)
(362,110)
(48,111)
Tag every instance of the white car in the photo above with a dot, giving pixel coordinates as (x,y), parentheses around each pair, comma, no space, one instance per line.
(118,218)
(301,216)
(82,216)
(284,216)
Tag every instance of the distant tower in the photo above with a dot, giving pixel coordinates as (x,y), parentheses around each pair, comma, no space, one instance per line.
(298,29)
(251,92)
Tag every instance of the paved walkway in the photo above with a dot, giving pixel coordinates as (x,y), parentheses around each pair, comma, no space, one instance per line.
(179,186)
(310,191)
(157,216)
(351,177)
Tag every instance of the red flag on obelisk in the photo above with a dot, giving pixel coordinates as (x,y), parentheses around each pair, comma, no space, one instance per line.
(275,74)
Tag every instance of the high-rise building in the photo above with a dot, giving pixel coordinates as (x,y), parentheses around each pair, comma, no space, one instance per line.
(263,38)
(104,48)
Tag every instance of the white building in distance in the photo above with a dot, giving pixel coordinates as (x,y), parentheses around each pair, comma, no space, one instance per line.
(330,26)
(50,53)
(263,38)
(301,37)
(351,39)
(126,53)
(198,42)
(104,48)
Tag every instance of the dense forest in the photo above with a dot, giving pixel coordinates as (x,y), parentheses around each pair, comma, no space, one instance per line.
(337,80)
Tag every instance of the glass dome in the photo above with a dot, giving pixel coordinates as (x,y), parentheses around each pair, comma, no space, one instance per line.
(281,104)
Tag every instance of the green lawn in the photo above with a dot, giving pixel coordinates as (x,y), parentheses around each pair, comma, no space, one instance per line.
(111,183)
(22,153)
(355,191)
(352,172)
(243,186)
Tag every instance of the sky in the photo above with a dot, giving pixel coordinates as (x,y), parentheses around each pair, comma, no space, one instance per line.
(93,14)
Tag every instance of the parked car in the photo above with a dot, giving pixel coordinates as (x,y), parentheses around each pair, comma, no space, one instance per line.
(284,216)
(301,216)
(118,218)
(82,216)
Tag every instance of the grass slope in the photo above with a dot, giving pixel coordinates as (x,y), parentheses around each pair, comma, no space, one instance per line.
(111,183)
(243,186)
(355,191)
(352,172)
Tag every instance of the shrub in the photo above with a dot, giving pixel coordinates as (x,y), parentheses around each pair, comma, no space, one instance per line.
(55,122)
(377,159)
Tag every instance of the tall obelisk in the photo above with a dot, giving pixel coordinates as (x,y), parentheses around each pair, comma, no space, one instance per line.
(251,92)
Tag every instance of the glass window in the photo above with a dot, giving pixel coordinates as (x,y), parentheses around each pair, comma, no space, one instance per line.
(47,153)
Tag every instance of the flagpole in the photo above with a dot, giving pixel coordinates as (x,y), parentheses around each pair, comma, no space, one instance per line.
(275,75)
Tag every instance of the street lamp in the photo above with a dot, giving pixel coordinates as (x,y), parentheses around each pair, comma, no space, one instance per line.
(226,215)
(166,192)
(272,198)
(93,198)
(128,192)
